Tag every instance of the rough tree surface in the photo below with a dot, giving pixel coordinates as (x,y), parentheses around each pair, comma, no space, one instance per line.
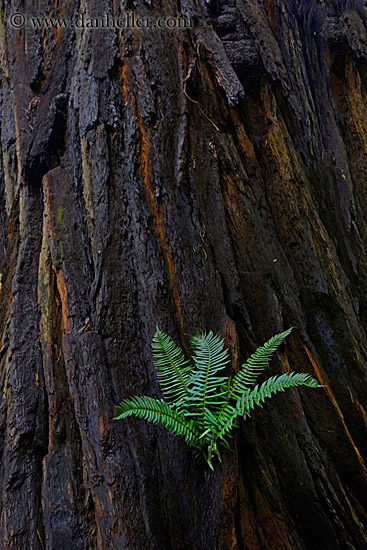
(208,178)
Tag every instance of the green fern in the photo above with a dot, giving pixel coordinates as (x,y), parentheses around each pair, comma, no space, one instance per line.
(159,411)
(205,399)
(201,405)
(173,370)
(255,365)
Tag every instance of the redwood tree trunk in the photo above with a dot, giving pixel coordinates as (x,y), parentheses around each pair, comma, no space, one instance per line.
(212,177)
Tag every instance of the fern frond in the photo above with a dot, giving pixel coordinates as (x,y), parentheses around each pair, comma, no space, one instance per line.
(250,370)
(157,411)
(228,417)
(274,384)
(207,393)
(173,370)
(257,395)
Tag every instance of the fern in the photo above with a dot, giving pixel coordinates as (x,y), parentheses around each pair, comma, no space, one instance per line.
(173,370)
(257,395)
(209,359)
(159,411)
(201,405)
(274,384)
(255,365)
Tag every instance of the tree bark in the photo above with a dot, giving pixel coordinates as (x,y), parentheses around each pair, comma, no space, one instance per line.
(212,177)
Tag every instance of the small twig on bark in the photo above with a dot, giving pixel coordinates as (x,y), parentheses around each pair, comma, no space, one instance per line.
(39,536)
(191,68)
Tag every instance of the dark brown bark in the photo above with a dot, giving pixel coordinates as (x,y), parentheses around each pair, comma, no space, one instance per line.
(207,178)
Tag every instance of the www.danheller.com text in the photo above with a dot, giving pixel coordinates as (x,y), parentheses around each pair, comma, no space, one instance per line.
(127,20)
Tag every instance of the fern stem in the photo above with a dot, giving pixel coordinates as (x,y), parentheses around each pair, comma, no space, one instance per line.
(206,382)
